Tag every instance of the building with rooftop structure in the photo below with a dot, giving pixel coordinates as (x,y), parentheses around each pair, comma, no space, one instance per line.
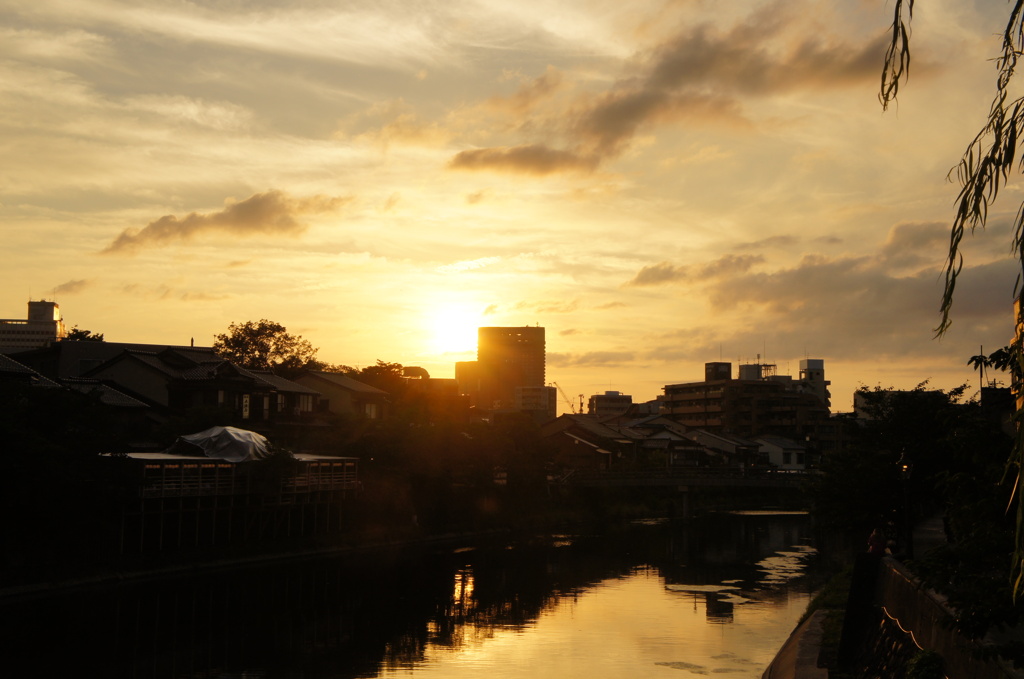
(757,402)
(609,404)
(43,327)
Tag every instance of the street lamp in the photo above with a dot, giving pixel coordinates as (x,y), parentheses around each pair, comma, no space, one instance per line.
(905,467)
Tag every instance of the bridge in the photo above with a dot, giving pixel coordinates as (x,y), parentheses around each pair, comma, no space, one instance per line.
(685,477)
(696,484)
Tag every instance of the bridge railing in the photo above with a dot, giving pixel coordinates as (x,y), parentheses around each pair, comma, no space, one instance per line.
(683,475)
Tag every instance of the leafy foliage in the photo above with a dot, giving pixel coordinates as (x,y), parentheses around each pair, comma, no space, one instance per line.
(926,665)
(265,345)
(989,158)
(76,334)
(959,454)
(983,170)
(861,485)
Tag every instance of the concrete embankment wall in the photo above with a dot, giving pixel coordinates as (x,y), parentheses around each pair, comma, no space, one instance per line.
(923,615)
(889,616)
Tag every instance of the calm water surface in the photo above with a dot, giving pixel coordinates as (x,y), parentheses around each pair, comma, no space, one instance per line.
(713,597)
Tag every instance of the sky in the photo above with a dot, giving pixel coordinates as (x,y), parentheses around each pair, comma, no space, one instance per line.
(659,184)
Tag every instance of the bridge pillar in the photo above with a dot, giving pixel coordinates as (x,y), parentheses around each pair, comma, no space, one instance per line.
(684,501)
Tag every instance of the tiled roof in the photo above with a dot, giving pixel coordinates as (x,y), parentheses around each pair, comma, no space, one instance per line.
(279,383)
(346,382)
(8,366)
(108,395)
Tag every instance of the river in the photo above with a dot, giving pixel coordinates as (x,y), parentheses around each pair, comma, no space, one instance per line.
(714,596)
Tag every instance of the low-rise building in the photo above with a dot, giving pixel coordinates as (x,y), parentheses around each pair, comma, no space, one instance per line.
(785,454)
(343,395)
(609,404)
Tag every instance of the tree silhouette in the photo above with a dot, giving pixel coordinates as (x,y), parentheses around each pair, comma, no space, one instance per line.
(76,334)
(983,170)
(987,162)
(265,345)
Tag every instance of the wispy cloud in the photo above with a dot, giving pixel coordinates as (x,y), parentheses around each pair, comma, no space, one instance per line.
(72,287)
(700,76)
(350,33)
(468,265)
(591,359)
(273,212)
(663,273)
(530,159)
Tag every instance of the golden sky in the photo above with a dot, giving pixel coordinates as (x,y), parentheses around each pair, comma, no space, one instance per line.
(659,184)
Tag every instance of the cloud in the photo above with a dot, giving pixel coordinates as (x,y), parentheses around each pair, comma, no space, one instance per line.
(530,93)
(468,265)
(753,61)
(549,306)
(407,129)
(534,159)
(784,242)
(72,287)
(614,119)
(664,273)
(165,292)
(590,359)
(657,274)
(273,212)
(857,307)
(699,76)
(914,243)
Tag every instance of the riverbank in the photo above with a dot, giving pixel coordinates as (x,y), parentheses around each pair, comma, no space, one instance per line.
(45,588)
(911,623)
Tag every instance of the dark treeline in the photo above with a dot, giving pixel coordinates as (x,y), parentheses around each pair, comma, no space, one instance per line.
(926,453)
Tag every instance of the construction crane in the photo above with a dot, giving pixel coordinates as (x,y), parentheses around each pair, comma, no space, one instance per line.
(572,404)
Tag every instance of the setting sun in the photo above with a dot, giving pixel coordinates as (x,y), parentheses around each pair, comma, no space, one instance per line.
(453,329)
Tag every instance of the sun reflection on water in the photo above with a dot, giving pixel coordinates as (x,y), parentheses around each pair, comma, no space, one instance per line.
(632,625)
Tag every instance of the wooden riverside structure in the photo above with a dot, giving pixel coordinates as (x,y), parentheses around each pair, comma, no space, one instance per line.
(195,503)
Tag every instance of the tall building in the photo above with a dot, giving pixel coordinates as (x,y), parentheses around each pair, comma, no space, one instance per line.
(507,359)
(42,327)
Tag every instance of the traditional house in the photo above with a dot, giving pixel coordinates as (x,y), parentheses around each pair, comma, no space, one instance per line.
(729,450)
(581,442)
(340,394)
(177,380)
(784,454)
